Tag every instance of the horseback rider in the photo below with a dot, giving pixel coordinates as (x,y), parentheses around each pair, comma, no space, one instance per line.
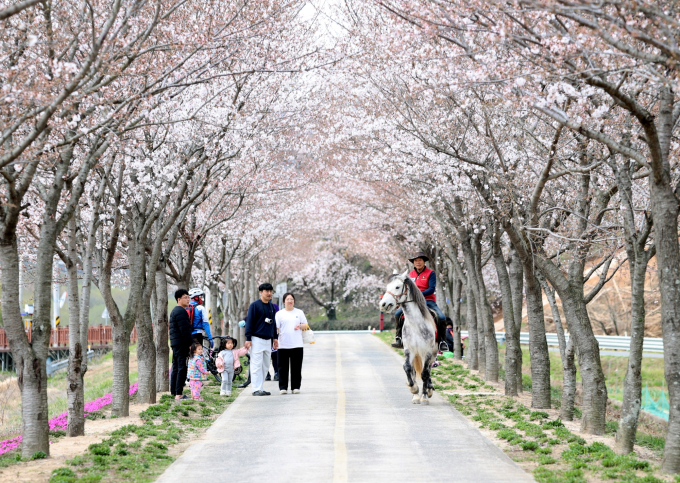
(200,321)
(426,280)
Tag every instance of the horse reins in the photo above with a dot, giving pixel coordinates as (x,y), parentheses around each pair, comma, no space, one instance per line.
(396,299)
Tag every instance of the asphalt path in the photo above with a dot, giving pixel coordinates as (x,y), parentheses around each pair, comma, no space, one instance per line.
(353,421)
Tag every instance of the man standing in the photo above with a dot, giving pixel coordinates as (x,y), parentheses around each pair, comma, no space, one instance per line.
(426,281)
(180,341)
(260,331)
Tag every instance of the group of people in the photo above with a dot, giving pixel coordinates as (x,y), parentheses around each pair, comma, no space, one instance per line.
(267,329)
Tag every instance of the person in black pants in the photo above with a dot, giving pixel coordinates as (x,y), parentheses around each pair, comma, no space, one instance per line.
(180,341)
(290,323)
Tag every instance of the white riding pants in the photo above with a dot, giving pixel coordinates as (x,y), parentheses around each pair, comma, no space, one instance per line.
(260,358)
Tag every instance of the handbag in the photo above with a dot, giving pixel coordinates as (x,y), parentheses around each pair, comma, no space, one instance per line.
(308,336)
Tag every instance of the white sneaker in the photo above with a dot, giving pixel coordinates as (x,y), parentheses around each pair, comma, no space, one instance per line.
(222,393)
(283,391)
(296,391)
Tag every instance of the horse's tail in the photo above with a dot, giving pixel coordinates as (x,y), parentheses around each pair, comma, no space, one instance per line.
(418,364)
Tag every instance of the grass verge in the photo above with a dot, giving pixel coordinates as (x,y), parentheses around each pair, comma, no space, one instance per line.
(542,444)
(139,453)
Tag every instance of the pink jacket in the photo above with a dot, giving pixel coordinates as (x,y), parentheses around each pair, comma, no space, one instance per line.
(219,362)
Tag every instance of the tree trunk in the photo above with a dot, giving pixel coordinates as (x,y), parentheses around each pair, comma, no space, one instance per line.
(30,368)
(592,377)
(538,346)
(472,358)
(455,316)
(665,213)
(217,323)
(566,356)
(146,348)
(120,405)
(75,388)
(161,330)
(511,342)
(516,274)
(491,345)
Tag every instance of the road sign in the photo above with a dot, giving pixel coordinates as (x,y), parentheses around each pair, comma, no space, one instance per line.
(210,316)
(56,321)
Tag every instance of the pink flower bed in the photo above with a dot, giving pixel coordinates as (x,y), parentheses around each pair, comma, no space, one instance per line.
(60,422)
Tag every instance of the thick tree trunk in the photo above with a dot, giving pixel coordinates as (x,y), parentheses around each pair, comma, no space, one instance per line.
(146,348)
(592,377)
(216,328)
(490,343)
(538,346)
(566,356)
(569,382)
(472,357)
(30,368)
(75,388)
(455,316)
(161,330)
(120,406)
(146,356)
(516,274)
(511,342)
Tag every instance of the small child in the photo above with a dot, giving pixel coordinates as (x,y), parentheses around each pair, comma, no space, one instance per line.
(227,362)
(196,371)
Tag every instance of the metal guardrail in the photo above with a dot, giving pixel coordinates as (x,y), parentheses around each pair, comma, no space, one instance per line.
(615,342)
(53,367)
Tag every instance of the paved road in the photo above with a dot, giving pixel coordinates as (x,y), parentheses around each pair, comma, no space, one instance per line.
(353,421)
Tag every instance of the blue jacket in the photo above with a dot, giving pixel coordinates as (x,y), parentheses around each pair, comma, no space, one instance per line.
(201,321)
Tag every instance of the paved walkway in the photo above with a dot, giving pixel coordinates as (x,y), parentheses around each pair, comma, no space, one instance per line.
(353,421)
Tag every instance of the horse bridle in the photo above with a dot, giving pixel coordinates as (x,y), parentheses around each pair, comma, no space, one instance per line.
(403,292)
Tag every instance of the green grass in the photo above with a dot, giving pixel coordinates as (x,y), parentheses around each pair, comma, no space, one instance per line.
(95,385)
(139,453)
(555,454)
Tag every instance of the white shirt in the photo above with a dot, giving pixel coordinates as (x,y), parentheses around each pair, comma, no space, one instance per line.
(286,320)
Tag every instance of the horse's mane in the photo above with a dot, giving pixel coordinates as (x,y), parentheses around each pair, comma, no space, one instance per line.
(418,297)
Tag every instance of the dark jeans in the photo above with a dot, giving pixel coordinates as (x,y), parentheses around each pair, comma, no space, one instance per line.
(178,375)
(440,321)
(290,358)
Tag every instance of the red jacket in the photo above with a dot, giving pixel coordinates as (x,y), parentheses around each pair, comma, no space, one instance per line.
(424,282)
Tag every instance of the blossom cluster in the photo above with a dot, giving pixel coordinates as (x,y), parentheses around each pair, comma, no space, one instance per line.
(60,422)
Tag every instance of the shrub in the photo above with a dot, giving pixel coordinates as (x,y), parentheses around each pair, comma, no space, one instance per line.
(100,449)
(538,415)
(546,460)
(63,475)
(507,434)
(38,455)
(529,445)
(553,424)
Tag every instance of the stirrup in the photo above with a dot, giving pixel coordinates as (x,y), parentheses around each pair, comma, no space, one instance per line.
(444,345)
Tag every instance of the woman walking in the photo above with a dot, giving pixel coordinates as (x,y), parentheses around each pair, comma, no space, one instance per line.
(290,323)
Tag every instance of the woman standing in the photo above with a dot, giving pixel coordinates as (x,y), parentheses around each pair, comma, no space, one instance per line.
(290,322)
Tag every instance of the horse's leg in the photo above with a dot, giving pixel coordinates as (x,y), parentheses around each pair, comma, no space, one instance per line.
(427,380)
(410,374)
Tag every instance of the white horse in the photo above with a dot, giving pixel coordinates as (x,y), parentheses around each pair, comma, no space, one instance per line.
(418,334)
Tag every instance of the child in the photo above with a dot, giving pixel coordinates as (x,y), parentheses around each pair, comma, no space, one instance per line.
(196,371)
(227,362)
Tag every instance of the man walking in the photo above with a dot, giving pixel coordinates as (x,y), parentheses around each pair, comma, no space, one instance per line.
(260,332)
(180,341)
